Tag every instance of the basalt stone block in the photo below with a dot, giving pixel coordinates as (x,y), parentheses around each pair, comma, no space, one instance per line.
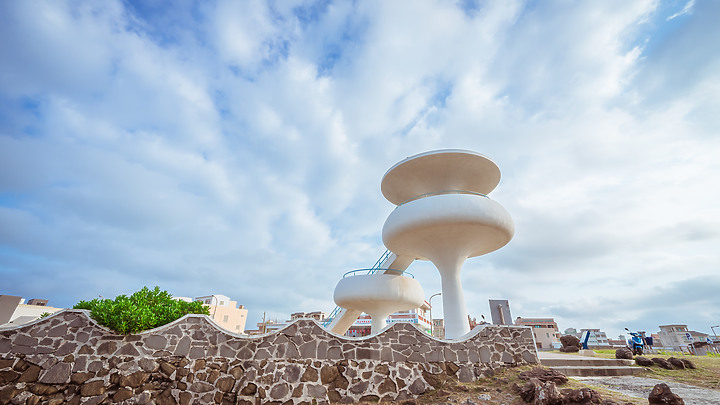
(24,340)
(106,348)
(201,386)
(334,353)
(92,388)
(328,374)
(57,374)
(42,389)
(292,373)
(466,374)
(185,397)
(310,375)
(134,380)
(529,357)
(156,342)
(86,349)
(417,387)
(249,389)
(225,384)
(183,347)
(226,351)
(196,352)
(8,376)
(122,394)
(66,348)
(95,366)
(308,350)
(60,330)
(31,374)
(79,378)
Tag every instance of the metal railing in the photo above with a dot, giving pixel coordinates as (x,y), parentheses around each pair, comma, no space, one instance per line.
(417,197)
(374,271)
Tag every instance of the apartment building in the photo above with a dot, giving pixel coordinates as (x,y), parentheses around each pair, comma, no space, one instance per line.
(679,338)
(547,334)
(225,312)
(438,329)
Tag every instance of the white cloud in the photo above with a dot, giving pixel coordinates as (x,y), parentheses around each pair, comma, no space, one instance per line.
(238,149)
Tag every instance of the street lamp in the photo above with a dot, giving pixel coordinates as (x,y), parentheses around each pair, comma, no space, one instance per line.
(431,318)
(712,327)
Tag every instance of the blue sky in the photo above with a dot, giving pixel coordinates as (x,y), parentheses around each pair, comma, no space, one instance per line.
(237,148)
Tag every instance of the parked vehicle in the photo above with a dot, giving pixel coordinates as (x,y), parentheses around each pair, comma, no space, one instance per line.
(636,343)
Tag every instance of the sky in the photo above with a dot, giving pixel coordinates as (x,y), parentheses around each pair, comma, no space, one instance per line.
(237,148)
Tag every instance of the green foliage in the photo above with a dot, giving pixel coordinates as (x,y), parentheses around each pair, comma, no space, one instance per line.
(145,309)
(44,315)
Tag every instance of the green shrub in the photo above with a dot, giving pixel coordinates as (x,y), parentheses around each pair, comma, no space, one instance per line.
(145,309)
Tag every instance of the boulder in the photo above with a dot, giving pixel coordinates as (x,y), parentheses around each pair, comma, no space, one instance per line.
(544,375)
(688,364)
(676,363)
(644,361)
(580,396)
(661,394)
(662,363)
(539,393)
(570,344)
(623,353)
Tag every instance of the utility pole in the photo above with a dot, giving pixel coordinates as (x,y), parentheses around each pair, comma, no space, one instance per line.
(264,324)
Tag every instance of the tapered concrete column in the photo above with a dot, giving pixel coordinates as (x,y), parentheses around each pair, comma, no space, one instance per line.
(454,309)
(379,320)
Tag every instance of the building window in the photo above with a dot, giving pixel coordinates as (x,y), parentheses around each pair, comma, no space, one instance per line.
(225,318)
(222,302)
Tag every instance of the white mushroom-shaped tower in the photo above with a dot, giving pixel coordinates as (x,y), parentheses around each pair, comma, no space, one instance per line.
(444,215)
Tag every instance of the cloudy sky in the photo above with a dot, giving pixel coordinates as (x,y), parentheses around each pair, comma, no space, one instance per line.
(237,148)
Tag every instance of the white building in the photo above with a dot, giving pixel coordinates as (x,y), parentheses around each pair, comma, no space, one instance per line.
(594,338)
(678,338)
(547,334)
(14,311)
(225,312)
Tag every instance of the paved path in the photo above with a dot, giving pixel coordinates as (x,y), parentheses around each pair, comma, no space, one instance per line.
(549,355)
(640,387)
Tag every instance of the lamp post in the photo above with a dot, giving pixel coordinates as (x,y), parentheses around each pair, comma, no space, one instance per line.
(712,327)
(431,318)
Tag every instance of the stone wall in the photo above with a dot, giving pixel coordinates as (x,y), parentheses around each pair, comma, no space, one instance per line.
(67,357)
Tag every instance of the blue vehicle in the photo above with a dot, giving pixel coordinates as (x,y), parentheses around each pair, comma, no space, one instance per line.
(637,343)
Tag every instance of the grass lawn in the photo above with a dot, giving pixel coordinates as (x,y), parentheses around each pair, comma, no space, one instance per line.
(707,374)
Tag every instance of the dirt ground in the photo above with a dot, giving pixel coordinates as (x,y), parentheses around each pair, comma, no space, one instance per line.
(640,387)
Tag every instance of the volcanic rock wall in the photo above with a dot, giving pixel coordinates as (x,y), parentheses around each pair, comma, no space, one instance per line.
(68,358)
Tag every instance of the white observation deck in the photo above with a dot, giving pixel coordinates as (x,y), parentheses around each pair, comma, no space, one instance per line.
(443,215)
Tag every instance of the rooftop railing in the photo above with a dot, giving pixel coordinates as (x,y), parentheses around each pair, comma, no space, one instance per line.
(434,193)
(375,271)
